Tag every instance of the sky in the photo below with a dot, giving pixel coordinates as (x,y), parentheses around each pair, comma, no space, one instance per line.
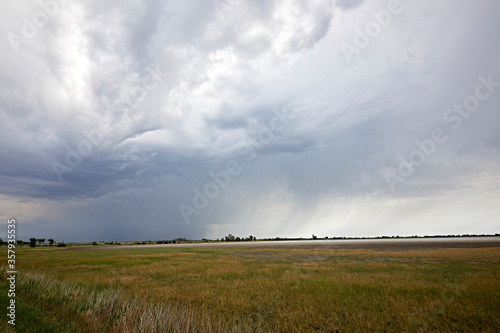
(155,119)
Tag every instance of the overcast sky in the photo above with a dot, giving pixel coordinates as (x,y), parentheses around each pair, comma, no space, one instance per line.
(165,119)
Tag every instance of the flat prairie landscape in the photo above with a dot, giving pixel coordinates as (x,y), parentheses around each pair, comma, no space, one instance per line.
(403,285)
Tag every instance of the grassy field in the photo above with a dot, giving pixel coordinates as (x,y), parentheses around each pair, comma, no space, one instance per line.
(255,290)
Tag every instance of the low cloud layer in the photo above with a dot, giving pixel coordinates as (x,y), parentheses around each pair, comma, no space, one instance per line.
(158,120)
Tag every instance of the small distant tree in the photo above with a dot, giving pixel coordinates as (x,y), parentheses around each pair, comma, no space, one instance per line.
(230,238)
(1,241)
(61,244)
(32,242)
(20,242)
(51,241)
(40,240)
(314,236)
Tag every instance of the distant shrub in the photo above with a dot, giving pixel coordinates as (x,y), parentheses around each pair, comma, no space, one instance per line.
(61,244)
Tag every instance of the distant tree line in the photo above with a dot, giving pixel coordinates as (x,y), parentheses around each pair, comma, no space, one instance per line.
(41,241)
(232,238)
(33,242)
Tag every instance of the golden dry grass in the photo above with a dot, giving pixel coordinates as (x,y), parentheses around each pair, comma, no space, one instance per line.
(269,290)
